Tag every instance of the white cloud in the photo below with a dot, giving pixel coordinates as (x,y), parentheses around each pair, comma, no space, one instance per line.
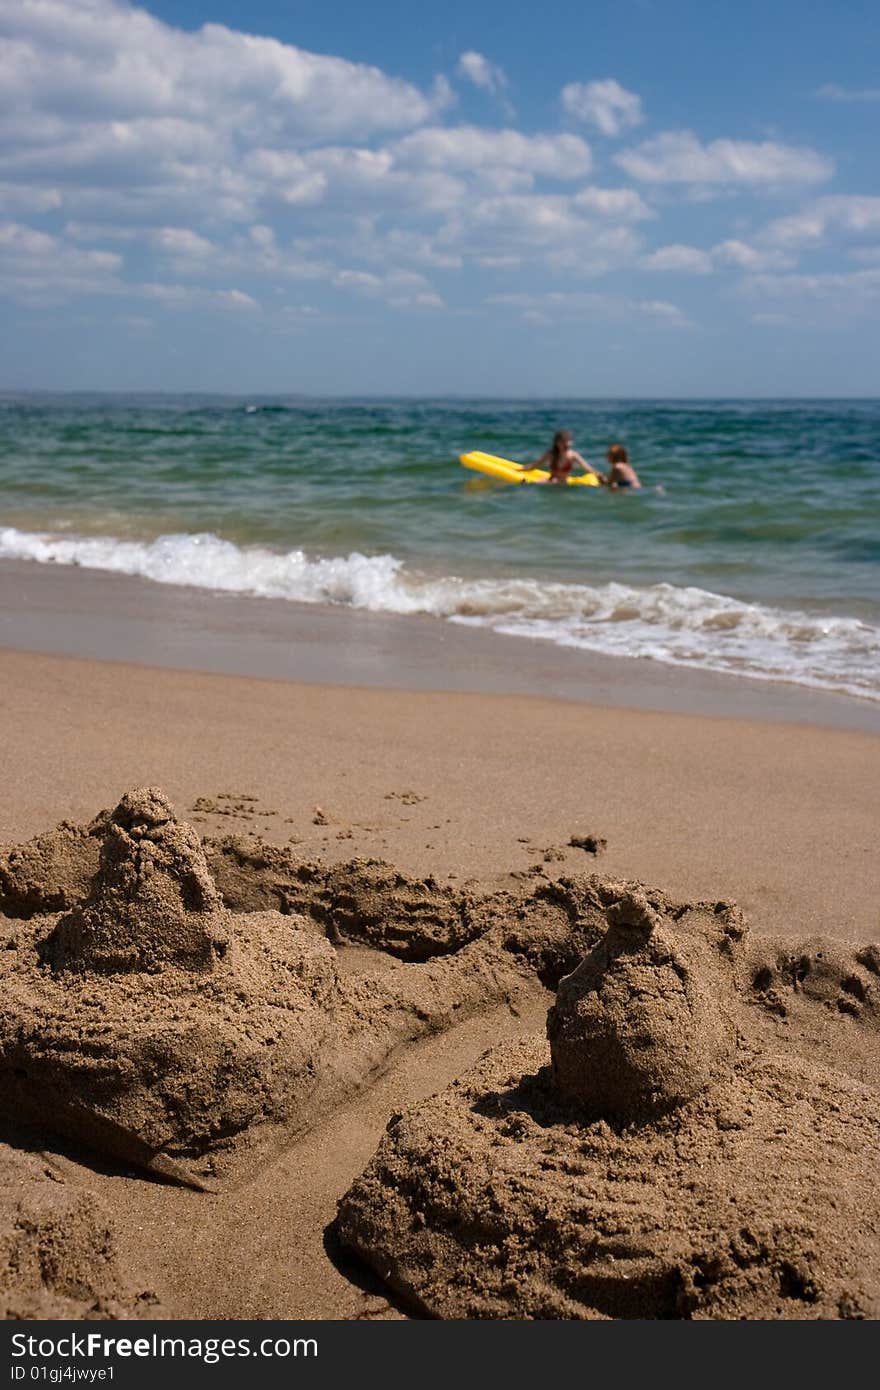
(90,59)
(286,176)
(679,157)
(35,266)
(472,149)
(99,231)
(552,304)
(662,309)
(818,284)
(478,70)
(532,218)
(524,220)
(747,257)
(235,299)
(867,255)
(351,179)
(606,105)
(844,293)
(622,203)
(112,114)
(855,215)
(399,245)
(565,306)
(695,261)
(506,261)
(251,252)
(831,91)
(400,288)
(594,249)
(237,165)
(554,231)
(186,296)
(22,199)
(184,243)
(689,259)
(797,230)
(136,323)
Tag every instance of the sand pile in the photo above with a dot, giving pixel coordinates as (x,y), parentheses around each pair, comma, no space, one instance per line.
(698,1137)
(677,1151)
(152,902)
(152,1023)
(148,1021)
(52,872)
(550,925)
(58,1256)
(645,1021)
(365,900)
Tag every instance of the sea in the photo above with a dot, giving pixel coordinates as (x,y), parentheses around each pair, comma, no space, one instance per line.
(752,549)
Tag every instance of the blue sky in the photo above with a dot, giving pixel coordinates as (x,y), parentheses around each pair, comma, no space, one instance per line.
(663,199)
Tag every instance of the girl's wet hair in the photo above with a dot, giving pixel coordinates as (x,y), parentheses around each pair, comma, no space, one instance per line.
(617,454)
(561,442)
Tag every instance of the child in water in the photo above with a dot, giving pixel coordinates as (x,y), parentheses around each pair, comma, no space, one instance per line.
(621,473)
(561,458)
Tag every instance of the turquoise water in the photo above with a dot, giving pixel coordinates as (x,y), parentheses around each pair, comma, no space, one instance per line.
(753,548)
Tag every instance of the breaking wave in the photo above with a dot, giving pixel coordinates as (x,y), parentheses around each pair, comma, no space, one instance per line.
(681,626)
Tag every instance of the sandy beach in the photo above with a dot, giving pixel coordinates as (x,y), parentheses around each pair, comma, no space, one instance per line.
(431,891)
(484,791)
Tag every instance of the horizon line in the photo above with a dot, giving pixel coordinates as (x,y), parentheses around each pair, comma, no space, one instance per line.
(11,392)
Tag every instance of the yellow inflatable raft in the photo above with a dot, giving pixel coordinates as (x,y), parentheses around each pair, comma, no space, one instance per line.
(507,472)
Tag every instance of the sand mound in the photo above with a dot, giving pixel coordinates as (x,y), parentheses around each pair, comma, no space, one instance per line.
(52,872)
(57,1252)
(370,901)
(152,902)
(364,900)
(645,1020)
(170,1069)
(757,1200)
(678,1152)
(558,923)
(151,1023)
(699,1139)
(148,1022)
(253,876)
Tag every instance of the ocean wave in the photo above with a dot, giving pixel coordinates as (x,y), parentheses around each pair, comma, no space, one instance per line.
(677,625)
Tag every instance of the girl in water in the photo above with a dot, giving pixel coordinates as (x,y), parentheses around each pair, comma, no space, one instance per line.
(561,457)
(621,473)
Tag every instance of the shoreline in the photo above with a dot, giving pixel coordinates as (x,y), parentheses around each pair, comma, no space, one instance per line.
(102,616)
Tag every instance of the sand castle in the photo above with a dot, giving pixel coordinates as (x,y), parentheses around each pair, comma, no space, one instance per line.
(695,1137)
(152,902)
(658,1161)
(152,1023)
(645,1020)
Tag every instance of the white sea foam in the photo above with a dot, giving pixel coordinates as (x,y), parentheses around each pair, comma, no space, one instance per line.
(676,625)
